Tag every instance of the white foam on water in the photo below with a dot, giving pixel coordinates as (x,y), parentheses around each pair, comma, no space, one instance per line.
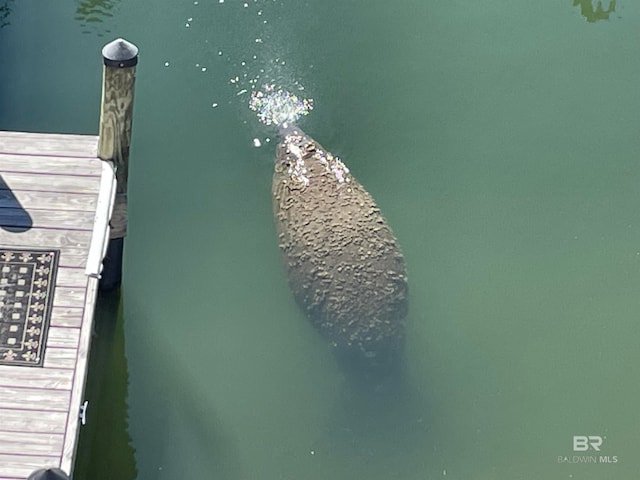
(276,106)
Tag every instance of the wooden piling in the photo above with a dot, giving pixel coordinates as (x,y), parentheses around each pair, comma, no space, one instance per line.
(116,111)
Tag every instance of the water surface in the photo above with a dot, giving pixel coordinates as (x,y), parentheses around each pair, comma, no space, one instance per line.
(500,140)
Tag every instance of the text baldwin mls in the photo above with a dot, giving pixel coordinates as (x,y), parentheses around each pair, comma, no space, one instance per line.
(583,443)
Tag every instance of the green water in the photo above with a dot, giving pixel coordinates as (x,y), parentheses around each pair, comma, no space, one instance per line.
(501,140)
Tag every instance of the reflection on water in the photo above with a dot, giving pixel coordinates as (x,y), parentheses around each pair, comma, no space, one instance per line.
(392,424)
(104,450)
(184,435)
(593,15)
(90,13)
(5,11)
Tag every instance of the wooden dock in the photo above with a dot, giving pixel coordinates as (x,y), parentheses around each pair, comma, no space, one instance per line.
(55,193)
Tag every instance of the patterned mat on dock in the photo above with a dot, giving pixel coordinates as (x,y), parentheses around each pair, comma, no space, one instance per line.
(27,282)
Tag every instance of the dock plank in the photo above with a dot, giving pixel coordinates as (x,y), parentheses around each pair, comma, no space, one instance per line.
(17,443)
(52,165)
(47,218)
(19,468)
(49,200)
(50,183)
(63,337)
(44,378)
(69,258)
(39,237)
(60,357)
(64,145)
(32,422)
(66,316)
(69,297)
(71,277)
(34,399)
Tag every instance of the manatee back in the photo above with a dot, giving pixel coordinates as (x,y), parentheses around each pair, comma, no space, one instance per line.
(344,264)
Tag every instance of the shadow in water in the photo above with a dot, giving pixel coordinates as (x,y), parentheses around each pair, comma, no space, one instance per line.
(181,428)
(91,13)
(13,218)
(5,11)
(104,449)
(388,422)
(594,14)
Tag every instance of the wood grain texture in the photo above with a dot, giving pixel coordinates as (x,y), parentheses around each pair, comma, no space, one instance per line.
(38,237)
(31,422)
(49,200)
(50,183)
(47,218)
(30,443)
(118,221)
(72,258)
(33,377)
(36,399)
(69,297)
(116,112)
(77,395)
(60,358)
(71,277)
(52,190)
(63,337)
(19,468)
(63,145)
(53,165)
(66,316)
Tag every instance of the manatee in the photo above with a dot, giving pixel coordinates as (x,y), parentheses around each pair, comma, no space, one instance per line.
(343,262)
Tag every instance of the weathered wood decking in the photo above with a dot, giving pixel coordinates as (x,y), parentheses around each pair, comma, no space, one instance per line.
(68,194)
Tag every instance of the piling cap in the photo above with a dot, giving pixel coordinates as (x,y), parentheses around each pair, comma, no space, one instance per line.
(120,54)
(49,474)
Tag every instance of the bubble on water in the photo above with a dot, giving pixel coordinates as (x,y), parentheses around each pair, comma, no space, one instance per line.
(275,106)
(256,142)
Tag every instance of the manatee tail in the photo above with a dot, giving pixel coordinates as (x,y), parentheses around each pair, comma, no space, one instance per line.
(382,372)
